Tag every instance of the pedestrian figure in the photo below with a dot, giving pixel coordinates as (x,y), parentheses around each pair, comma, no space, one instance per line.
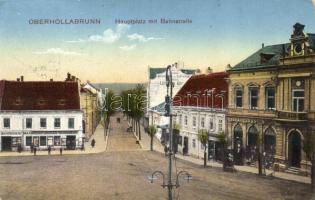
(82,148)
(60,151)
(93,143)
(19,148)
(49,149)
(32,147)
(35,151)
(165,150)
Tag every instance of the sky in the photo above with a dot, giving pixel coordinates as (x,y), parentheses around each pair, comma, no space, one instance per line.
(221,32)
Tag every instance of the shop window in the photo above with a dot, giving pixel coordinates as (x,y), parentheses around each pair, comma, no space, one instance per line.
(71,123)
(298,100)
(6,122)
(186,120)
(35,141)
(270,98)
(50,141)
(42,141)
(28,140)
(253,98)
(57,123)
(28,122)
(56,140)
(43,122)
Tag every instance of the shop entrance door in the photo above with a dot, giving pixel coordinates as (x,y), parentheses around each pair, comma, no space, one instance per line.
(70,142)
(6,143)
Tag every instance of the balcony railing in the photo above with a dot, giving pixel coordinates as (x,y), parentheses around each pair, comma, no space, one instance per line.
(287,115)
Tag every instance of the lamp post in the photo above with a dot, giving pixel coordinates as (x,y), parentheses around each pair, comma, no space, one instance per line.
(168,113)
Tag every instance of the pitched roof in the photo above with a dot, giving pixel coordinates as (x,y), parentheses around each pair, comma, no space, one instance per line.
(193,93)
(154,71)
(32,95)
(273,53)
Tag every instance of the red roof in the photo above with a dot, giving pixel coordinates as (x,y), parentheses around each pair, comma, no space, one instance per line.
(197,91)
(37,95)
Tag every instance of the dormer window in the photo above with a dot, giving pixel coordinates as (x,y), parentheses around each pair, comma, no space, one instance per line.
(18,101)
(41,101)
(265,57)
(61,102)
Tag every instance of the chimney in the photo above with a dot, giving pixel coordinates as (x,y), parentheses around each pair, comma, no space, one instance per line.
(68,76)
(22,78)
(51,80)
(262,45)
(18,79)
(209,70)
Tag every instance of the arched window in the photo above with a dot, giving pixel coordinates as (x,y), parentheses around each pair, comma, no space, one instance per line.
(270,141)
(238,144)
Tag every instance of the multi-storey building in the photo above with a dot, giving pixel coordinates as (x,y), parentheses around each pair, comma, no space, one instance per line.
(40,114)
(156,92)
(200,104)
(272,101)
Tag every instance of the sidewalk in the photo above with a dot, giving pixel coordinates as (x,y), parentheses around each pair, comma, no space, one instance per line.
(158,147)
(100,146)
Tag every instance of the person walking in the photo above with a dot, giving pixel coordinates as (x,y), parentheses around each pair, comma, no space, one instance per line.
(49,149)
(60,151)
(35,151)
(93,143)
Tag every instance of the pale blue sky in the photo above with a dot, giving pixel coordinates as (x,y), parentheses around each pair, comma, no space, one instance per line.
(221,32)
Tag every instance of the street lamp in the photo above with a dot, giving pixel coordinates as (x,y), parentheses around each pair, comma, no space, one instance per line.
(168,113)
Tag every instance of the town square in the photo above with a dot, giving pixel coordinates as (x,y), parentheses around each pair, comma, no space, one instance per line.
(135,99)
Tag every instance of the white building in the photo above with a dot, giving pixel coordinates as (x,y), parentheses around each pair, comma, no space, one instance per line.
(200,105)
(156,92)
(41,114)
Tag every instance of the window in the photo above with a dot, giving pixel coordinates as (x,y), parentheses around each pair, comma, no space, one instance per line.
(270,98)
(43,123)
(186,120)
(194,143)
(42,141)
(211,124)
(56,140)
(180,119)
(57,123)
(28,141)
(298,100)
(28,122)
(71,123)
(6,122)
(239,97)
(202,123)
(220,125)
(253,98)
(194,121)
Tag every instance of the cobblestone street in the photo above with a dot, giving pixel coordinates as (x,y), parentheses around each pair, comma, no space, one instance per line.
(121,173)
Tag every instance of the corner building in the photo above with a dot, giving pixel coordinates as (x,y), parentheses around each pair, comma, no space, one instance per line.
(272,97)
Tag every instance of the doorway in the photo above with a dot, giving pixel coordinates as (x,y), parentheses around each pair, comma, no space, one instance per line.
(294,149)
(6,143)
(185,148)
(70,142)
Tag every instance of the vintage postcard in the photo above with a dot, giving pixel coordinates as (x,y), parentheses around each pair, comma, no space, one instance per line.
(157,99)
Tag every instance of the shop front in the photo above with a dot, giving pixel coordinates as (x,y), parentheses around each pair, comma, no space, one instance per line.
(11,141)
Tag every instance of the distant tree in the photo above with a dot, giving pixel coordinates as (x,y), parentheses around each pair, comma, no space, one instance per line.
(309,149)
(108,109)
(151,131)
(203,137)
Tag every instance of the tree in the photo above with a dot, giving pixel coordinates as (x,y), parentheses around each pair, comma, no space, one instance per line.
(108,109)
(151,132)
(309,149)
(260,159)
(203,137)
(223,141)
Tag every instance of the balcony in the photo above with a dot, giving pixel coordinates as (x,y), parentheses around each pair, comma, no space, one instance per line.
(291,116)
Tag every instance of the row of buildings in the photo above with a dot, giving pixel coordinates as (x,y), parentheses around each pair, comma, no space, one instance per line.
(60,114)
(268,98)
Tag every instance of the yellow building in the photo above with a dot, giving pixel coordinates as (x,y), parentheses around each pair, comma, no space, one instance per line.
(272,97)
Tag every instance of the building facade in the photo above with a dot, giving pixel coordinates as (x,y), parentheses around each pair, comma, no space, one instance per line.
(40,114)
(272,104)
(201,104)
(156,92)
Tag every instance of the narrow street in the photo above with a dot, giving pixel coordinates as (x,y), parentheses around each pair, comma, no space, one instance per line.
(119,139)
